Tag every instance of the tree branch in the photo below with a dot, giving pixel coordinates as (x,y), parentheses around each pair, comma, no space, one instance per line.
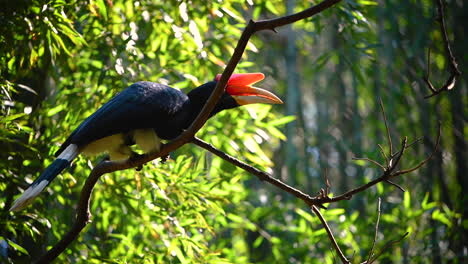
(83,214)
(330,234)
(371,252)
(386,246)
(391,164)
(320,199)
(384,177)
(254,171)
(389,137)
(454,71)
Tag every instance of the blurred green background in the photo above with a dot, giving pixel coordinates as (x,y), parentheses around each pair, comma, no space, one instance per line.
(61,60)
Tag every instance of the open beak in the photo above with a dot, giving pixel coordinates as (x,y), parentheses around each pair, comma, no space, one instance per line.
(240,88)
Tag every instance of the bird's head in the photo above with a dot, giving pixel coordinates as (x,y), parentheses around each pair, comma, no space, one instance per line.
(239,91)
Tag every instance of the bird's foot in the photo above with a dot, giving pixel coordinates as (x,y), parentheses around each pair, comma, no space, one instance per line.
(72,168)
(165,158)
(134,157)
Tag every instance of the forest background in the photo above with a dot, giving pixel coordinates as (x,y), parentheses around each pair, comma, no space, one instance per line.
(60,60)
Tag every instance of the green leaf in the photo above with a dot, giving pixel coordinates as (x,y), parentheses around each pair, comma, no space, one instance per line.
(282,121)
(407,200)
(55,110)
(360,162)
(425,205)
(367,2)
(257,242)
(335,211)
(270,7)
(441,217)
(12,117)
(276,132)
(102,8)
(307,216)
(17,247)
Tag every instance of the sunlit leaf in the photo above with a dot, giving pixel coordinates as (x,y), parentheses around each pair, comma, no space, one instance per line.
(17,247)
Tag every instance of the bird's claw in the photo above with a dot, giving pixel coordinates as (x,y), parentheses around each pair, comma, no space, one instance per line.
(133,158)
(164,158)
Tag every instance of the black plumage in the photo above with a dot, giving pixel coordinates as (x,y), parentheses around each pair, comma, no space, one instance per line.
(144,113)
(147,105)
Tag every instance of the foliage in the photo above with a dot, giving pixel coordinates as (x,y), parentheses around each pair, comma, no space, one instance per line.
(60,61)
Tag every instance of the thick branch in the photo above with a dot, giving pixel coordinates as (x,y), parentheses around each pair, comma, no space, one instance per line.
(252,28)
(271,24)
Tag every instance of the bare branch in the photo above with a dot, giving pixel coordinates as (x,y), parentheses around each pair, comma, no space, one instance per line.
(327,183)
(385,177)
(454,71)
(373,161)
(448,49)
(428,73)
(382,152)
(254,171)
(424,161)
(388,245)
(389,137)
(396,185)
(399,154)
(414,142)
(376,230)
(316,211)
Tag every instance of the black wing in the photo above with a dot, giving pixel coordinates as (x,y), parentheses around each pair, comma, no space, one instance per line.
(141,105)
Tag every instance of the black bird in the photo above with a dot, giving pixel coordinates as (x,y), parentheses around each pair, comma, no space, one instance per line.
(144,114)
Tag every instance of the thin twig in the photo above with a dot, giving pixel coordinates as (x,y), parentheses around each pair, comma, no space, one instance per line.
(376,230)
(382,151)
(327,182)
(387,245)
(386,175)
(373,161)
(400,172)
(428,73)
(396,185)
(448,49)
(338,250)
(454,71)
(414,142)
(388,171)
(399,154)
(389,138)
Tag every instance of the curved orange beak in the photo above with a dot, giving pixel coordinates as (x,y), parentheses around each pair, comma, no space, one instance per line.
(240,88)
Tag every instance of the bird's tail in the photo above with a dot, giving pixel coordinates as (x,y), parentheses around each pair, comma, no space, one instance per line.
(54,169)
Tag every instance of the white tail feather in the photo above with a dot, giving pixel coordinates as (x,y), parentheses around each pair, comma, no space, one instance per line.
(69,153)
(28,196)
(62,161)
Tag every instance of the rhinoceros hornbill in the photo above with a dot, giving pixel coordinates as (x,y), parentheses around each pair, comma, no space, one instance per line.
(143,114)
